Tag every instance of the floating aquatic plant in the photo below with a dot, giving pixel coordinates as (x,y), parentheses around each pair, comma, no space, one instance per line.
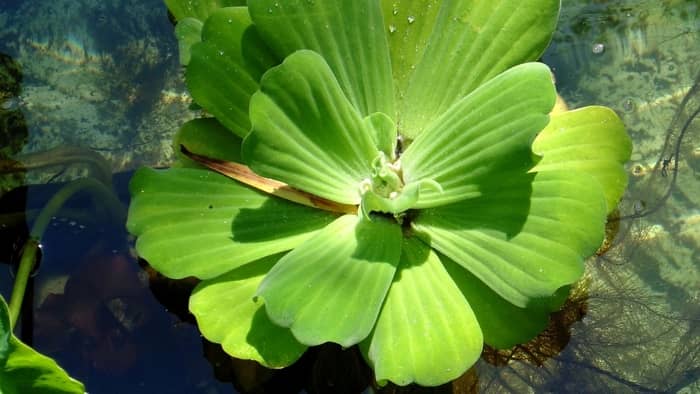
(398,181)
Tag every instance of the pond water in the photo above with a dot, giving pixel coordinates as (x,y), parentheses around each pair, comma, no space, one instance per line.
(92,88)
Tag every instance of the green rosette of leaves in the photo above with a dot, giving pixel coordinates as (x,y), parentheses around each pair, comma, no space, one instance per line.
(399,181)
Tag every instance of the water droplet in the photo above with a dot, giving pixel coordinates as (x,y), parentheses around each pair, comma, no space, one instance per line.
(221,53)
(411,19)
(598,48)
(392,29)
(395,11)
(230,20)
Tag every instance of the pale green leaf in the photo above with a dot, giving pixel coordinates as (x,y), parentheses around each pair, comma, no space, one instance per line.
(348,34)
(504,325)
(305,132)
(192,222)
(206,137)
(198,9)
(526,249)
(443,50)
(485,135)
(331,288)
(24,370)
(188,32)
(228,313)
(592,140)
(383,131)
(426,332)
(225,68)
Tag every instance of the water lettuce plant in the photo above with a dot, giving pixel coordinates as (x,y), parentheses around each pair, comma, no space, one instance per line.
(380,173)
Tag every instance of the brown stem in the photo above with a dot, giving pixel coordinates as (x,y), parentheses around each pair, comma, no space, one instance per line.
(246,176)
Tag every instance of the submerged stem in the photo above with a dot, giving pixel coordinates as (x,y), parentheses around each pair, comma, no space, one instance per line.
(98,191)
(26,265)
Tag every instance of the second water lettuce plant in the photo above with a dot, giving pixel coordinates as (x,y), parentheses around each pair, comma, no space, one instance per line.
(399,182)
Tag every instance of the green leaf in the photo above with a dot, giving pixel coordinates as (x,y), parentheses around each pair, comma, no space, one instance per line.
(487,134)
(192,222)
(443,50)
(522,260)
(24,370)
(426,332)
(348,34)
(592,140)
(331,288)
(188,32)
(228,313)
(226,66)
(207,137)
(305,132)
(504,325)
(383,131)
(198,9)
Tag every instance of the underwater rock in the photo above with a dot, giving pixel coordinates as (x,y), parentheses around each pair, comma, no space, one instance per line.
(98,75)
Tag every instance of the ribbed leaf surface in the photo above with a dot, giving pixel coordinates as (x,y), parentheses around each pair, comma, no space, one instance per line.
(443,50)
(228,313)
(330,288)
(426,332)
(348,34)
(564,223)
(225,68)
(194,222)
(592,140)
(487,134)
(504,325)
(306,133)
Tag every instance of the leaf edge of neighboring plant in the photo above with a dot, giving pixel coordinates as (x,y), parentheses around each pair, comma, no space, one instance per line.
(21,358)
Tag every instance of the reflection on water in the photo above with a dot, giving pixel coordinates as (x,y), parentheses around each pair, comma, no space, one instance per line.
(103,76)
